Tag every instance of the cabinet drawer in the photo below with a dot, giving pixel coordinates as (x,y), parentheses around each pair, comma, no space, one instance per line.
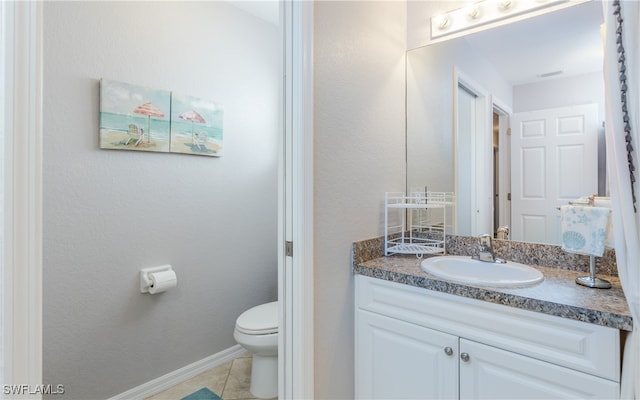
(585,347)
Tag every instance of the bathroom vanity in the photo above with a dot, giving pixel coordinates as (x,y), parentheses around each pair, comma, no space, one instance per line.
(421,337)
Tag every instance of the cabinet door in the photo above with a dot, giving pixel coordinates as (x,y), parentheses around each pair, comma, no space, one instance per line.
(399,360)
(490,373)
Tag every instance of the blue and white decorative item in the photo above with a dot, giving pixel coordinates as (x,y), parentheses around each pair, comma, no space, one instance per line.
(584,231)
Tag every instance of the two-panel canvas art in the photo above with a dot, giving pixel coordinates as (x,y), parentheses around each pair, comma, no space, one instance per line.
(139,118)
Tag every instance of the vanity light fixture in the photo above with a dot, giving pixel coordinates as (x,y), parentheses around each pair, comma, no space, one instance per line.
(486,12)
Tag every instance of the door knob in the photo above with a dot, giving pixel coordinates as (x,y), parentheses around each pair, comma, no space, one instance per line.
(464,357)
(448,351)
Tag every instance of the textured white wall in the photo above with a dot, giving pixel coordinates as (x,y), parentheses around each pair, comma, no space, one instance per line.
(359,150)
(109,213)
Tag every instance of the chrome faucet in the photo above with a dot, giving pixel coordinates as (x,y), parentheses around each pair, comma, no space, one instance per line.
(485,250)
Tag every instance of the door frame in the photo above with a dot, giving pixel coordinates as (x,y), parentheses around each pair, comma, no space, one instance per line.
(481,152)
(21,264)
(21,78)
(504,136)
(295,271)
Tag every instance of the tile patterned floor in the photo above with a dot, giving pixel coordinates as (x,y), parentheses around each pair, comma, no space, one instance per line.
(229,381)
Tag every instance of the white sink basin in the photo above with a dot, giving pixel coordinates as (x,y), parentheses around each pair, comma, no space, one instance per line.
(467,270)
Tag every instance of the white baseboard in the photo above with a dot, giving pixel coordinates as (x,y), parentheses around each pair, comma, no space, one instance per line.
(180,375)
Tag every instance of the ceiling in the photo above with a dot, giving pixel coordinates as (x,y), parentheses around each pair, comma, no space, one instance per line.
(567,40)
(267,10)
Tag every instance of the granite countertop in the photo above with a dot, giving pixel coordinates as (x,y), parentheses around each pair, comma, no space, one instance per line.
(557,295)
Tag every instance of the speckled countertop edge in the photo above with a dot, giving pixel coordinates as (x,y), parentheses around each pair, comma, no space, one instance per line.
(557,295)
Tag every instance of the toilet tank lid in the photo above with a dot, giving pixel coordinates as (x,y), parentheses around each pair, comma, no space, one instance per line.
(260,319)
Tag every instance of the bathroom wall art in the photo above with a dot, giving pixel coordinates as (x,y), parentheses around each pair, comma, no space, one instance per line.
(134,117)
(196,126)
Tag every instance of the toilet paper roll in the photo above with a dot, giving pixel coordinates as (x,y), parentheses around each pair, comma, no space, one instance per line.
(162,281)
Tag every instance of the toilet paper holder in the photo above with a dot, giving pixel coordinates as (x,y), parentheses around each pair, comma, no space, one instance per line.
(145,276)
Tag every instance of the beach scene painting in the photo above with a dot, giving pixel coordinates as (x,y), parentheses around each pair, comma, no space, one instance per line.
(134,117)
(196,126)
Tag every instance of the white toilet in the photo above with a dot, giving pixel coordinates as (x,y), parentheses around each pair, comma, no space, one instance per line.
(257,331)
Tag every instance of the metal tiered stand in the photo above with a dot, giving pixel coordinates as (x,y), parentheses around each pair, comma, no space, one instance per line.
(417,223)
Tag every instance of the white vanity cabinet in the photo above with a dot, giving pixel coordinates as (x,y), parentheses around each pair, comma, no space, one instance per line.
(412,343)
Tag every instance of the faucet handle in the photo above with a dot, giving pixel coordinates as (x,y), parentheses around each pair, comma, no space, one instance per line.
(485,240)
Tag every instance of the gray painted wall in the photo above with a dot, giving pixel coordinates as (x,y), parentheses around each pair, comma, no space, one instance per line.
(109,213)
(359,150)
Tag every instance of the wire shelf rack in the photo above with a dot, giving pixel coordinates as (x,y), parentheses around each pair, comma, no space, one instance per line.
(417,223)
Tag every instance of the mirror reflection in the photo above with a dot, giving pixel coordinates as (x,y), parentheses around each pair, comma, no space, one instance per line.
(511,120)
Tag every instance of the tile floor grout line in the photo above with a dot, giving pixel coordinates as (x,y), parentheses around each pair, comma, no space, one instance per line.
(227,378)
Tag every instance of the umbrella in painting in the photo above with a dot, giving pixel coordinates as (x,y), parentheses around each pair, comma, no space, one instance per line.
(149,110)
(192,116)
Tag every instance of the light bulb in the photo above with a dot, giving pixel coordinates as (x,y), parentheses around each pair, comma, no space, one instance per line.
(473,11)
(505,4)
(441,21)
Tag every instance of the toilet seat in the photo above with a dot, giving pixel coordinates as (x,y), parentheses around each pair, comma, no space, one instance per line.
(259,320)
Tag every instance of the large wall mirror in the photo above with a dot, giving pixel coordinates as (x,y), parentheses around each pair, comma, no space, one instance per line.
(510,119)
